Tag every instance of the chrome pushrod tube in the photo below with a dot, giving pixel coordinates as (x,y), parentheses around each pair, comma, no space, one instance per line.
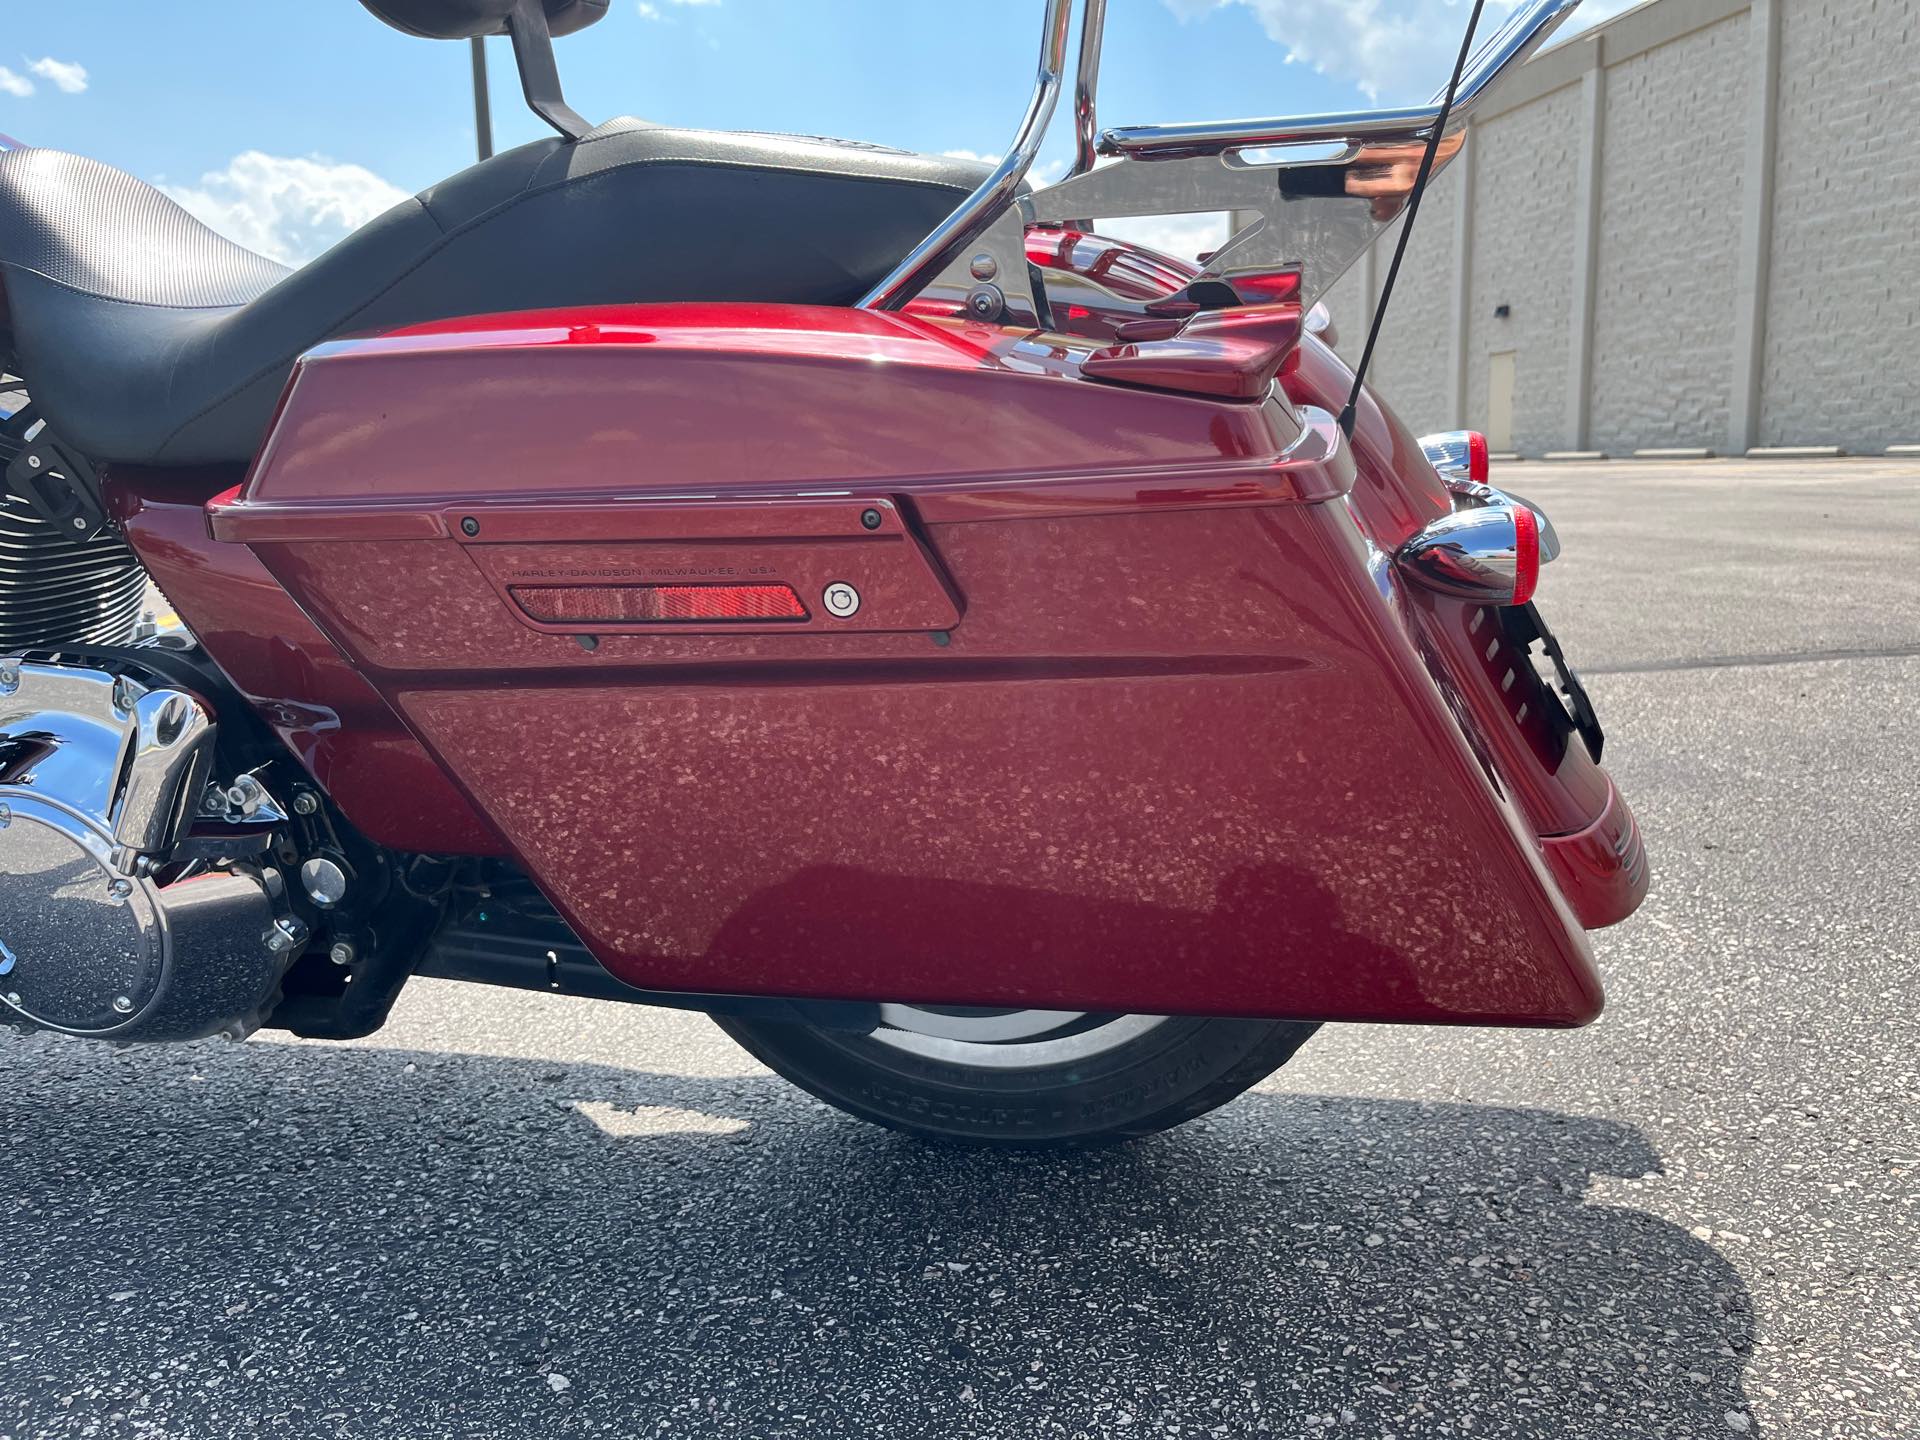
(980,209)
(1086,88)
(1515,41)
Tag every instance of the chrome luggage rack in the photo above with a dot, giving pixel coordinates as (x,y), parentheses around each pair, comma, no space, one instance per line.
(1307,193)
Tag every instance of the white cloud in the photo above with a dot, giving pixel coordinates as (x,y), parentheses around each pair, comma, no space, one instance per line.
(1395,51)
(650,11)
(12,84)
(64,75)
(288,207)
(1185,236)
(1592,12)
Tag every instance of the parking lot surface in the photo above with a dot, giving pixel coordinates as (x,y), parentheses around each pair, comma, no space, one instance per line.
(517,1215)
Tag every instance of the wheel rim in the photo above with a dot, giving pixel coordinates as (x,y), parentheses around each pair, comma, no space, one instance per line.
(1006,1039)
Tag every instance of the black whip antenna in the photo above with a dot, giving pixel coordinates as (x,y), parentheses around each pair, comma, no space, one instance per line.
(1413,211)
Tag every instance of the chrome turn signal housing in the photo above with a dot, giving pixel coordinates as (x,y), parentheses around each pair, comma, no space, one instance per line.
(1489,553)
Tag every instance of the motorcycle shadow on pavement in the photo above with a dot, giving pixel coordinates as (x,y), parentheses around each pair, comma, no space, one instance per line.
(286,1239)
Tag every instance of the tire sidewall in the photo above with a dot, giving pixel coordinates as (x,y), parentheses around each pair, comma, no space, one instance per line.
(1175,1071)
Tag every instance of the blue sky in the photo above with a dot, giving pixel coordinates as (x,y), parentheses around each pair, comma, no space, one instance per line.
(285,124)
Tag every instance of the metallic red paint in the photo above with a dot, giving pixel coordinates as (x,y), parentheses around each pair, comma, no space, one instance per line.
(1230,354)
(291,674)
(1188,748)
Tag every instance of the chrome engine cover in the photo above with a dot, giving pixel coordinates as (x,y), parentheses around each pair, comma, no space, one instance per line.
(99,778)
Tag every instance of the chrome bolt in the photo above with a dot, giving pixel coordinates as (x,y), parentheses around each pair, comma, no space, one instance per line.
(983,266)
(305,803)
(6,816)
(342,952)
(275,882)
(9,679)
(122,1005)
(286,935)
(119,890)
(985,302)
(13,998)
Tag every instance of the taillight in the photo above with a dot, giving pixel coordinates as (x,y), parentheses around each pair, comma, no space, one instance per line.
(1490,554)
(655,604)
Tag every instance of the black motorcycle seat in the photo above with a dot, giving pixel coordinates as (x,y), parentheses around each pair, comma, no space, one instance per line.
(463,19)
(146,338)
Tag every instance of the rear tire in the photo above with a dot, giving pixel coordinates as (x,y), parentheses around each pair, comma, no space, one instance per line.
(1023,1078)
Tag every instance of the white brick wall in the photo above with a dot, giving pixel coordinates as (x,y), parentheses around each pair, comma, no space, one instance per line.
(1843,319)
(1416,345)
(1670,227)
(1524,179)
(1840,362)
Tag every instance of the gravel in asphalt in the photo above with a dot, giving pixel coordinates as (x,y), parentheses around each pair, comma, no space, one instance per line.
(519,1215)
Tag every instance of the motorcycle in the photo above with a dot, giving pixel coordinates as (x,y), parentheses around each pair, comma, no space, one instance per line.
(1019,684)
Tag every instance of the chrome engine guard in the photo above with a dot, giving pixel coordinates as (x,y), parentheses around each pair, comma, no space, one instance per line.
(99,777)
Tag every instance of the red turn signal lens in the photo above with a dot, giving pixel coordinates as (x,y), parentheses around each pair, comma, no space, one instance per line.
(1526,551)
(1479,463)
(1490,554)
(656,604)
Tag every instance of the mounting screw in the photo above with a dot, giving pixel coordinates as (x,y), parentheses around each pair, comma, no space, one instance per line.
(469,526)
(6,816)
(9,679)
(79,522)
(342,952)
(13,998)
(871,519)
(286,934)
(985,302)
(983,266)
(119,890)
(305,803)
(122,1005)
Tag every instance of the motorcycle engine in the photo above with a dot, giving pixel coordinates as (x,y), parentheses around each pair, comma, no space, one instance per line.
(55,587)
(108,927)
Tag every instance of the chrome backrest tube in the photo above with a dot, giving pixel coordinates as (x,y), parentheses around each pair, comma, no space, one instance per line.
(980,209)
(1311,212)
(1086,88)
(1525,32)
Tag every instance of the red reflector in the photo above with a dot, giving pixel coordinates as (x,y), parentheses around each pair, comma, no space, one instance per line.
(1526,551)
(1479,466)
(645,604)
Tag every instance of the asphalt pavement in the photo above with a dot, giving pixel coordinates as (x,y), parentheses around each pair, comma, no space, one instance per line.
(516,1215)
